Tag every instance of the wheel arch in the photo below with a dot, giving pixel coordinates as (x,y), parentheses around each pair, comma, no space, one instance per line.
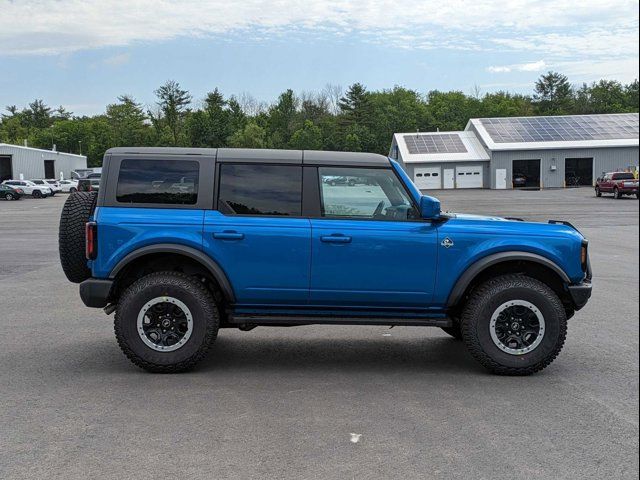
(500,263)
(177,250)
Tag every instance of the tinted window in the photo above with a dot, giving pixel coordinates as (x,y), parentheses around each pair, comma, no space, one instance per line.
(157,181)
(623,176)
(370,193)
(260,190)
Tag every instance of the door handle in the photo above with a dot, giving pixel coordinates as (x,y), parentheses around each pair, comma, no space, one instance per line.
(228,235)
(335,238)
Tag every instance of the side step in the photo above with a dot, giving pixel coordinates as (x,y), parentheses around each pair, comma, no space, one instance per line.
(289,320)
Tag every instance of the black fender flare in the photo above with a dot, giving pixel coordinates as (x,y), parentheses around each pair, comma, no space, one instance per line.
(197,255)
(480,265)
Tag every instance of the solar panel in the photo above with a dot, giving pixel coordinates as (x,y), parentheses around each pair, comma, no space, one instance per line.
(562,129)
(440,143)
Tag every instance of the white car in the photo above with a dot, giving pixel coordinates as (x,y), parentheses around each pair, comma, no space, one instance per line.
(30,188)
(68,186)
(52,184)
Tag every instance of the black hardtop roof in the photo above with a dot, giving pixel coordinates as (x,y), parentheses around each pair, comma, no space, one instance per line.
(295,157)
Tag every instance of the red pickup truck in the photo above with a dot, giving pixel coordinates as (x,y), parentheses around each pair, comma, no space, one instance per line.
(618,183)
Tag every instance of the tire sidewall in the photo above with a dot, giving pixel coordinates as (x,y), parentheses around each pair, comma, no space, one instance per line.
(131,304)
(552,318)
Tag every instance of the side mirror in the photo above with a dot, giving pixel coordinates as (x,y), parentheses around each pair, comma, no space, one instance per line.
(429,207)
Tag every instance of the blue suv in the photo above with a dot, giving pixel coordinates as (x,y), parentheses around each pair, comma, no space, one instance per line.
(182,242)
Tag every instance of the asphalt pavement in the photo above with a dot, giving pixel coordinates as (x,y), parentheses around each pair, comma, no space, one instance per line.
(318,401)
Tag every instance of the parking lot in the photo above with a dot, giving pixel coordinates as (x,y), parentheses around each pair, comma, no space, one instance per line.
(284,402)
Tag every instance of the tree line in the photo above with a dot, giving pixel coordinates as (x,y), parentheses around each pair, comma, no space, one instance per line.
(354,120)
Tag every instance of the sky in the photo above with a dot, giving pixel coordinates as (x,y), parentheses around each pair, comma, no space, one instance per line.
(84,54)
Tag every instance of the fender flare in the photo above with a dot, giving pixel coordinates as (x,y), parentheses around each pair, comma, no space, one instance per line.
(480,265)
(197,255)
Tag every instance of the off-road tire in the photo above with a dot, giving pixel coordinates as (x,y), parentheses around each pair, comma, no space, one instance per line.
(188,290)
(486,298)
(71,236)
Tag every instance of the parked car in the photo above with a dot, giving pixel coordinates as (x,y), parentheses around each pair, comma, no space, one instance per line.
(519,180)
(263,240)
(69,186)
(30,188)
(94,175)
(618,183)
(88,184)
(7,192)
(52,184)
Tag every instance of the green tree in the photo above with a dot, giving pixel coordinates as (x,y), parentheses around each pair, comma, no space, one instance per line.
(126,122)
(309,137)
(355,105)
(172,102)
(450,110)
(282,120)
(553,94)
(251,136)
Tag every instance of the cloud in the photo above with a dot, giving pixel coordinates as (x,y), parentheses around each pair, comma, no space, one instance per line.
(117,60)
(519,67)
(572,30)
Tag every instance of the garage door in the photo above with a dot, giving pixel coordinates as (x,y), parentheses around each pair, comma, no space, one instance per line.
(428,178)
(469,177)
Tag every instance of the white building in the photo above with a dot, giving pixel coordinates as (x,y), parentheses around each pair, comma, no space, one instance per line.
(36,163)
(537,152)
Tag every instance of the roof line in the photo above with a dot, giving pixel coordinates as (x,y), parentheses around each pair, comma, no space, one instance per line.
(41,150)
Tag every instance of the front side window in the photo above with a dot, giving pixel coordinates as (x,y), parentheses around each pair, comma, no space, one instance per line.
(367,193)
(256,189)
(168,182)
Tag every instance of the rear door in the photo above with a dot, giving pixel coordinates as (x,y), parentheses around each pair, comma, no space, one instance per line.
(369,246)
(257,233)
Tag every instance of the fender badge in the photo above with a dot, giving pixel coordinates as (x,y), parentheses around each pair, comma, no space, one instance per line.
(447,243)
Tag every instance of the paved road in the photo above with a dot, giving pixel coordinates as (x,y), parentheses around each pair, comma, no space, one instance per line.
(283,403)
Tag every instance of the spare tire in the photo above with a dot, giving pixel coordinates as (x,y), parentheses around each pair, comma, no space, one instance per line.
(71,237)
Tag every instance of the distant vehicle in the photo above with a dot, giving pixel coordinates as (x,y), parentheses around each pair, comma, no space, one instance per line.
(88,184)
(351,181)
(69,186)
(618,183)
(94,175)
(9,193)
(30,188)
(52,184)
(519,180)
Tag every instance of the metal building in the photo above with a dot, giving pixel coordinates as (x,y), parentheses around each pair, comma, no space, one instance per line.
(521,152)
(36,163)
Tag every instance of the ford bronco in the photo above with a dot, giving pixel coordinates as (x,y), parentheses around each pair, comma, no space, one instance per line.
(182,242)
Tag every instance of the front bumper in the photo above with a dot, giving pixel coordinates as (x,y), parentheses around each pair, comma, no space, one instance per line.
(94,292)
(580,294)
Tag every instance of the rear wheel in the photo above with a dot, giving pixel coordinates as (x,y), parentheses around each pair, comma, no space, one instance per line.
(165,322)
(514,325)
(8,196)
(616,194)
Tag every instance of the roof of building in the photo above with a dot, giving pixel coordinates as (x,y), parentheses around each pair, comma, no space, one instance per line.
(8,146)
(557,132)
(439,147)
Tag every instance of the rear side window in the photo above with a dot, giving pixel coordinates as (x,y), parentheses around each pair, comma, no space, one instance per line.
(168,182)
(623,176)
(260,190)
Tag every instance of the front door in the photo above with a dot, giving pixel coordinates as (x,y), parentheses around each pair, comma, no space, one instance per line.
(257,235)
(369,246)
(449,178)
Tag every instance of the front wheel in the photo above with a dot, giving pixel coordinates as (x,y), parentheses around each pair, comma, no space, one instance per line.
(598,192)
(165,322)
(514,325)
(8,196)
(36,194)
